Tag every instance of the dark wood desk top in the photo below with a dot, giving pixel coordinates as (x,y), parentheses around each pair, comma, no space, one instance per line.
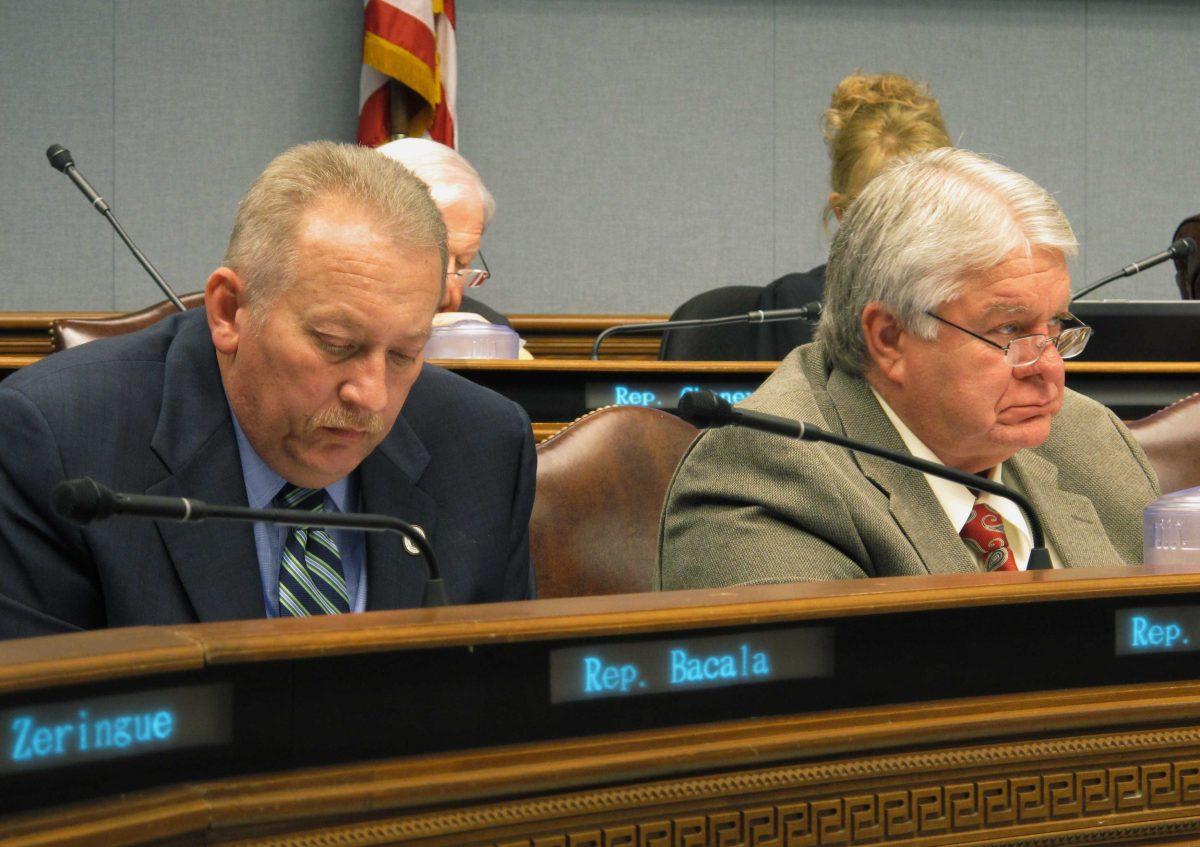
(110,654)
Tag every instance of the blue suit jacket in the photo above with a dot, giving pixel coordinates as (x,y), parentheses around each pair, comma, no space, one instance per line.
(146,413)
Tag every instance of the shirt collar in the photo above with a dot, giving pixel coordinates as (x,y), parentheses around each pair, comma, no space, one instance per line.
(263,483)
(956,499)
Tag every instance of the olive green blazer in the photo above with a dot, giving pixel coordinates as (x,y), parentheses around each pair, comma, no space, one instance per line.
(751,507)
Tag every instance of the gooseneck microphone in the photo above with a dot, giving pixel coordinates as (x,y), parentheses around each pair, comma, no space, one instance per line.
(1179,248)
(84,500)
(60,158)
(807,312)
(704,407)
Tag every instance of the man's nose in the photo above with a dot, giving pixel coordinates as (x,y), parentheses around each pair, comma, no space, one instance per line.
(367,388)
(1050,363)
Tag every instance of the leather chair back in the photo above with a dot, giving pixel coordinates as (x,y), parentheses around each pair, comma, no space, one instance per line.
(71,332)
(1171,439)
(601,484)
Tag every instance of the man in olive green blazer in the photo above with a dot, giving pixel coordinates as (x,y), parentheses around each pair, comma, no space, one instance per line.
(944,332)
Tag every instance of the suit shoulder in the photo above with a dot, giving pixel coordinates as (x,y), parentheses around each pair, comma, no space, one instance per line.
(440,394)
(100,360)
(792,388)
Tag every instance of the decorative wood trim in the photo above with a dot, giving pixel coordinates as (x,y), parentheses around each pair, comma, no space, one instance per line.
(1066,788)
(1073,789)
(544,430)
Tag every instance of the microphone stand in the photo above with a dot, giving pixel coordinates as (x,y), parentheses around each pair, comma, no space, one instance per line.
(706,407)
(809,311)
(60,159)
(84,500)
(1181,247)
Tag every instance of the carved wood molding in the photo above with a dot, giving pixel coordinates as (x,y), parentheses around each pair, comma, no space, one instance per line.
(1096,789)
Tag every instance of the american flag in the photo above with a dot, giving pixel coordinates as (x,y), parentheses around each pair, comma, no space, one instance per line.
(412,42)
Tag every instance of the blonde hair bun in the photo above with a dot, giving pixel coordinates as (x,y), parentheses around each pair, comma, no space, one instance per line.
(873,119)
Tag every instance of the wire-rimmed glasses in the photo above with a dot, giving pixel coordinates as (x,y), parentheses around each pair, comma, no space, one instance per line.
(1028,349)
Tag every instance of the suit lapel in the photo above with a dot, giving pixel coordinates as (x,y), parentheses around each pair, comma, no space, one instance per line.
(215,561)
(910,499)
(388,478)
(1070,521)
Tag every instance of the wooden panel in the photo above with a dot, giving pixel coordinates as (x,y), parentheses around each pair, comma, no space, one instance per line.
(58,658)
(1110,764)
(546,336)
(33,663)
(1106,764)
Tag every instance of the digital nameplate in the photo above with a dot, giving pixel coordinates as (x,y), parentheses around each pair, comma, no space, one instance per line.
(97,729)
(627,669)
(1167,629)
(658,395)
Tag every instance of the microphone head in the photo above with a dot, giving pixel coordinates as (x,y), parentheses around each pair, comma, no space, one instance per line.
(1181,248)
(60,157)
(704,407)
(83,500)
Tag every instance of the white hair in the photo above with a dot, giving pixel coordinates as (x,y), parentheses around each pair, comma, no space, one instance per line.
(262,246)
(919,231)
(448,175)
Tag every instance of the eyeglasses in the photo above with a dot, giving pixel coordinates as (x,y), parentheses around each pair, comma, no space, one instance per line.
(471,277)
(1027,349)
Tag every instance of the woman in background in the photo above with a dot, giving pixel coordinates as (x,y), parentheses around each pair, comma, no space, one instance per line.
(871,121)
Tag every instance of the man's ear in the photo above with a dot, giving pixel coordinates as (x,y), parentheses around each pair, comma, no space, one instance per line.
(224,299)
(887,340)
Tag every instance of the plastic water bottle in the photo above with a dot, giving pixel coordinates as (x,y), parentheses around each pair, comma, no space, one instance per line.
(1172,529)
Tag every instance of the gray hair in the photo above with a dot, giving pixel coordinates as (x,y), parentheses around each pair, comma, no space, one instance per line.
(262,244)
(918,231)
(444,169)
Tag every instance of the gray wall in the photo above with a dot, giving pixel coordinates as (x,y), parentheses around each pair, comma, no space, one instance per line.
(639,152)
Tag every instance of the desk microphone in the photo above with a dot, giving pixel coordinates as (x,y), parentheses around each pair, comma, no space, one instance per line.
(706,408)
(60,158)
(1179,249)
(807,312)
(84,500)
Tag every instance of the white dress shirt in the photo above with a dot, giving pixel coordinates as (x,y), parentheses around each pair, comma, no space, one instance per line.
(957,500)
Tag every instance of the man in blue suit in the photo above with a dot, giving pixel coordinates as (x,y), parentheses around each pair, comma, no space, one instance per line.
(301,384)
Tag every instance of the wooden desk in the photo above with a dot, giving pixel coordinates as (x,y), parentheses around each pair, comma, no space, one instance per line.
(966,709)
(554,389)
(556,392)
(546,336)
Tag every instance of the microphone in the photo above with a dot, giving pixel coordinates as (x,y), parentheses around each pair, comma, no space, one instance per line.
(61,160)
(704,407)
(807,312)
(84,500)
(1179,249)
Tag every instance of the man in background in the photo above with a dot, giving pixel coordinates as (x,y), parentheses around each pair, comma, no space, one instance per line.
(467,207)
(301,385)
(943,335)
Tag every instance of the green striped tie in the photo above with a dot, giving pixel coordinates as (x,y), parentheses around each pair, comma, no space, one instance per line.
(311,581)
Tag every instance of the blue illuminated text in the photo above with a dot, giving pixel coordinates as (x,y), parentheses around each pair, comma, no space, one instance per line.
(742,664)
(599,677)
(31,741)
(1145,634)
(628,397)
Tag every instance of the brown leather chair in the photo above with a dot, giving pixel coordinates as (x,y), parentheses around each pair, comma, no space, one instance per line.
(1171,439)
(601,483)
(1187,270)
(71,332)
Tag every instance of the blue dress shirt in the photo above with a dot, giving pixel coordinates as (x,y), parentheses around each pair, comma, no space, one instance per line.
(262,485)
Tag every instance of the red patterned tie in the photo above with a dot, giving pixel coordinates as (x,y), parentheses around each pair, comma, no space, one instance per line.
(984,534)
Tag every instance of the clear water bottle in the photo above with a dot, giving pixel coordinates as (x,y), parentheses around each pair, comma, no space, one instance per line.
(1172,529)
